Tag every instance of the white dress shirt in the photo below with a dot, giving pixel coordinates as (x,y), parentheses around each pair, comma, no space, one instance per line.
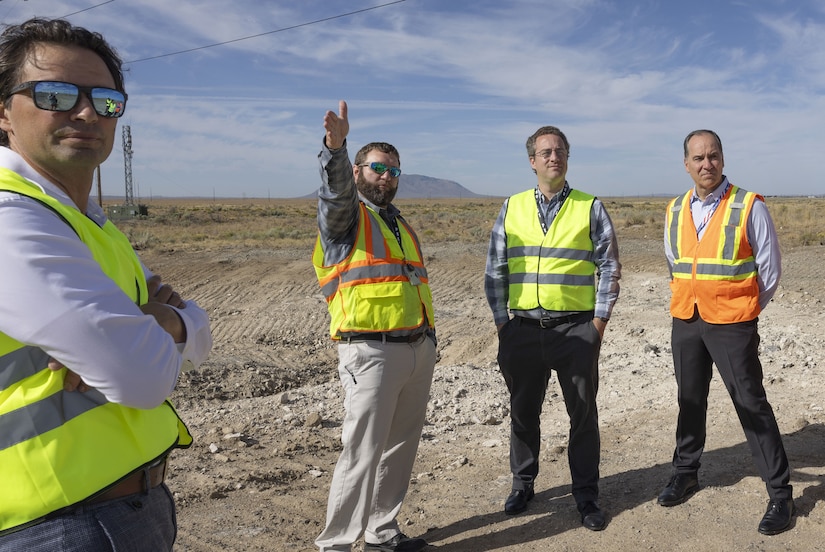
(55,296)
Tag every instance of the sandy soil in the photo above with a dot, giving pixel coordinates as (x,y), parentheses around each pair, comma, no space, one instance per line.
(266,410)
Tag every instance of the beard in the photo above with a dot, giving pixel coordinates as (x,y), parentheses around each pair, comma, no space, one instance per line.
(373,193)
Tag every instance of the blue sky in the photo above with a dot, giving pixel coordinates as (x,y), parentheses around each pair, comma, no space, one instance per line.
(458,86)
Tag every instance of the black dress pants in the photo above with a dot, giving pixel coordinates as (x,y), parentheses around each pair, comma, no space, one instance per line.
(697,345)
(527,354)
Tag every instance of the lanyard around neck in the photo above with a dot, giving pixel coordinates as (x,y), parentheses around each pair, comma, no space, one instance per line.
(562,195)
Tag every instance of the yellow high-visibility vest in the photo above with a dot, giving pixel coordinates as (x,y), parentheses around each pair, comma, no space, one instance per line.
(372,290)
(60,448)
(554,271)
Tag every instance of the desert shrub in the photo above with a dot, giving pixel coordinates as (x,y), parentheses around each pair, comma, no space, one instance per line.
(800,222)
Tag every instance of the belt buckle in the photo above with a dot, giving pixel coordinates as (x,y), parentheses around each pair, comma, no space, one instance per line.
(546,322)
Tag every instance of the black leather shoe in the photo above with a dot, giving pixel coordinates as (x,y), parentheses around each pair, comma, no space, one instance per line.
(777,518)
(399,543)
(680,487)
(592,516)
(517,501)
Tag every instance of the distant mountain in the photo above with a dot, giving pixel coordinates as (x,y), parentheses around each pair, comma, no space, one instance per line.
(418,186)
(412,186)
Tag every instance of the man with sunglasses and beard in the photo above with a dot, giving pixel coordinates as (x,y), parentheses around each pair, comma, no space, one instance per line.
(371,270)
(91,342)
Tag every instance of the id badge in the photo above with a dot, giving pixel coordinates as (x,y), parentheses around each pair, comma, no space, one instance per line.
(413,277)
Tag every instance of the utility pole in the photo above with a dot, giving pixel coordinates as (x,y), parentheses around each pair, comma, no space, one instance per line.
(127,163)
(99,190)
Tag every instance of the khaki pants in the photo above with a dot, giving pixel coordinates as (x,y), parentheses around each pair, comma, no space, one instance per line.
(387,386)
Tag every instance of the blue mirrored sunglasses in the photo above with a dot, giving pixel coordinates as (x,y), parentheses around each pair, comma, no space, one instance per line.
(63,96)
(381,168)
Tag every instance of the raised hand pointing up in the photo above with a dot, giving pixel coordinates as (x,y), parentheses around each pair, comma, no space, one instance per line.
(337,126)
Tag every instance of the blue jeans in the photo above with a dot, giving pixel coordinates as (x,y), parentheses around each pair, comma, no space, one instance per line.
(143,522)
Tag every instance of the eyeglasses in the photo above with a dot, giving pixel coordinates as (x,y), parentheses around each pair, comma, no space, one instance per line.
(548,153)
(381,168)
(63,96)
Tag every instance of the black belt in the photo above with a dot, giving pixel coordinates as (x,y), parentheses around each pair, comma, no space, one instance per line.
(378,336)
(548,322)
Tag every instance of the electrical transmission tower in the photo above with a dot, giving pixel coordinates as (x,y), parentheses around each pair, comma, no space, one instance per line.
(127,163)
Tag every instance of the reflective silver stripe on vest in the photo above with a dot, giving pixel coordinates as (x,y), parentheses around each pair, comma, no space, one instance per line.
(737,209)
(555,279)
(674,226)
(381,271)
(330,288)
(45,415)
(367,272)
(710,269)
(726,270)
(549,252)
(379,251)
(35,419)
(378,248)
(20,364)
(682,268)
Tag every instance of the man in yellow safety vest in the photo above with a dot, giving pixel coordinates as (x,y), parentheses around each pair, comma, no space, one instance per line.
(91,342)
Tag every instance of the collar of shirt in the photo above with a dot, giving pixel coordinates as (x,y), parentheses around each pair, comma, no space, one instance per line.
(389,213)
(713,196)
(552,205)
(11,160)
(556,198)
(702,211)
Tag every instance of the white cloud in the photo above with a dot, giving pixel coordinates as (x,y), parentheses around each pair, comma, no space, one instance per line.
(459,85)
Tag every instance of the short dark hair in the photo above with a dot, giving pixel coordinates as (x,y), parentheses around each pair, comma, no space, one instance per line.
(531,141)
(700,132)
(384,147)
(18,41)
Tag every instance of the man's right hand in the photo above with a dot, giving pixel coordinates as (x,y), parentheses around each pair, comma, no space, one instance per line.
(168,319)
(337,126)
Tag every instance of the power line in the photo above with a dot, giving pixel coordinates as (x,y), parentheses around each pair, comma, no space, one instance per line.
(68,14)
(87,9)
(268,32)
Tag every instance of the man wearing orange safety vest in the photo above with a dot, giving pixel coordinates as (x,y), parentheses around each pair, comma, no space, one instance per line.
(724,260)
(371,270)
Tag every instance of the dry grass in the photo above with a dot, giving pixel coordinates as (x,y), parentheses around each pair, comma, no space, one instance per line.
(202,223)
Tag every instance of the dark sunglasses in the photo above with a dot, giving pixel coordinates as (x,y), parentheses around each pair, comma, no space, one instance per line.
(63,96)
(381,168)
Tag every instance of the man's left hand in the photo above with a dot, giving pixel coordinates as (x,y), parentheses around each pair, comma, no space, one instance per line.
(600,326)
(163,293)
(72,382)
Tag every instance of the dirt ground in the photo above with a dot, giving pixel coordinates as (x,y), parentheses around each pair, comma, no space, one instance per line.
(266,409)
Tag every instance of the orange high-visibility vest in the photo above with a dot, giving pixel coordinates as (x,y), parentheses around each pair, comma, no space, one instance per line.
(717,274)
